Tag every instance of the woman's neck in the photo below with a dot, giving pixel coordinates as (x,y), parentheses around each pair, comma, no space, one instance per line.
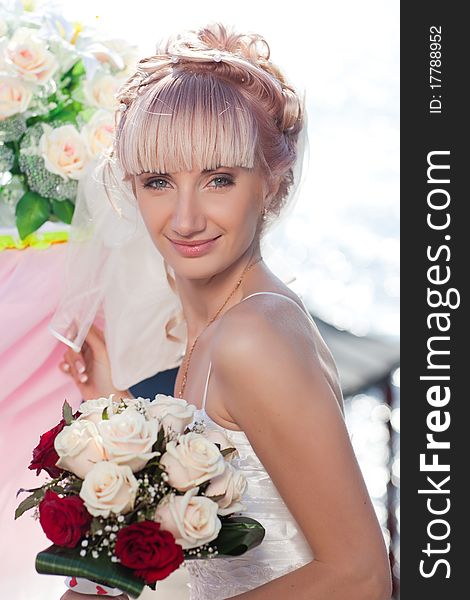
(202,298)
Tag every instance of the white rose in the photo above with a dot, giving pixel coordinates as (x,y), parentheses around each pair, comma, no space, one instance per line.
(191,460)
(64,151)
(191,519)
(92,410)
(15,96)
(98,133)
(101,89)
(27,55)
(228,488)
(109,487)
(116,53)
(128,438)
(79,447)
(224,441)
(174,413)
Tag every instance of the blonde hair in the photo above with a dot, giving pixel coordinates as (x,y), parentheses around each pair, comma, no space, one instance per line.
(210,98)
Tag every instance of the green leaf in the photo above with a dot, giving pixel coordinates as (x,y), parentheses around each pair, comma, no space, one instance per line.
(160,443)
(67,413)
(104,414)
(87,113)
(95,526)
(73,76)
(227,451)
(75,485)
(63,209)
(65,113)
(58,489)
(78,70)
(31,212)
(30,502)
(237,536)
(67,561)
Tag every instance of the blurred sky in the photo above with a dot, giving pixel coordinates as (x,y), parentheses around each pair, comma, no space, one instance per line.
(342,237)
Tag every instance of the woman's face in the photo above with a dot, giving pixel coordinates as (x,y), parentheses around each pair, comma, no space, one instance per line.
(223,205)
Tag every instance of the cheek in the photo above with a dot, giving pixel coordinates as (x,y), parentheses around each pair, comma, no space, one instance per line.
(243,220)
(152,215)
(240,211)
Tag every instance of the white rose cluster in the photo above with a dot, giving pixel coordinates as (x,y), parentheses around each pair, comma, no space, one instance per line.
(66,150)
(192,460)
(113,440)
(32,63)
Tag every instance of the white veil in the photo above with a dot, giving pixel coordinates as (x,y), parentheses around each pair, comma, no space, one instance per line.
(113,269)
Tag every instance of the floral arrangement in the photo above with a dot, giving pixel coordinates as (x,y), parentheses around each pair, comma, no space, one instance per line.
(136,487)
(57,86)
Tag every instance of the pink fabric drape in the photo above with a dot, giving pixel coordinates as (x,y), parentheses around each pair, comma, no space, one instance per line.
(32,391)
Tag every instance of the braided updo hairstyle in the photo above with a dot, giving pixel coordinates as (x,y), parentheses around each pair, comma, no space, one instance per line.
(214,97)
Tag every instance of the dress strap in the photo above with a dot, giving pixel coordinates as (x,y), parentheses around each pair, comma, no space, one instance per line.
(283,296)
(205,389)
(245,298)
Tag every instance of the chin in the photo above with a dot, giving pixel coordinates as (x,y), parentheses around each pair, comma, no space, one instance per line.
(195,269)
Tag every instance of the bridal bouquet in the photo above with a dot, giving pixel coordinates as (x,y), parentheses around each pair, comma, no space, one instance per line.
(57,86)
(136,487)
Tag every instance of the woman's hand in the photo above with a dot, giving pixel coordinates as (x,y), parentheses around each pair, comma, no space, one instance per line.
(90,368)
(71,595)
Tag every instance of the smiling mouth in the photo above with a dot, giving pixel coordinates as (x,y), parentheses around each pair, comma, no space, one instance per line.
(194,243)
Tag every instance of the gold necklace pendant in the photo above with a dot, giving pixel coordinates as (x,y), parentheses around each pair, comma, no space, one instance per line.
(188,360)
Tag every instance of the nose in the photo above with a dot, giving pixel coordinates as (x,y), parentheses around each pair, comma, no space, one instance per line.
(187,218)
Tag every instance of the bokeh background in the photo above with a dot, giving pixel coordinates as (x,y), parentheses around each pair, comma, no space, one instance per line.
(341,238)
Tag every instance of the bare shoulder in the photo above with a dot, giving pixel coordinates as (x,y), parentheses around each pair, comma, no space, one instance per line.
(260,320)
(268,334)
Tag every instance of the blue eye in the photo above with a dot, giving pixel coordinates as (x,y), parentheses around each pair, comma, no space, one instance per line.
(219,181)
(227,181)
(148,184)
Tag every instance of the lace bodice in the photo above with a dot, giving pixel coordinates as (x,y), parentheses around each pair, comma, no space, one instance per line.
(284,547)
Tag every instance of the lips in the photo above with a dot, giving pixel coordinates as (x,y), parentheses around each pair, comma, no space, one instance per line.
(193,243)
(195,248)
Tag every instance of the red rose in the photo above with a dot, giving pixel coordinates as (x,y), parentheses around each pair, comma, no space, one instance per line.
(64,520)
(44,455)
(151,552)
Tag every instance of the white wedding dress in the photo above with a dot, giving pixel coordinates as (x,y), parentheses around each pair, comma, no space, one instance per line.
(284,547)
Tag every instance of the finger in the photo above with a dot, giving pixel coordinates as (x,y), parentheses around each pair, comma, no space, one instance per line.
(95,337)
(65,367)
(97,345)
(96,330)
(77,369)
(76,361)
(88,357)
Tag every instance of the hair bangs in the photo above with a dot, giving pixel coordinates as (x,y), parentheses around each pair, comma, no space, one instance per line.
(188,121)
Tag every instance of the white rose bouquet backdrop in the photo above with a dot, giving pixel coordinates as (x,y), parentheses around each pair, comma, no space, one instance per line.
(137,486)
(57,86)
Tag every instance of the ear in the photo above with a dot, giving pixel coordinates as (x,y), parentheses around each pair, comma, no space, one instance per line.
(271,188)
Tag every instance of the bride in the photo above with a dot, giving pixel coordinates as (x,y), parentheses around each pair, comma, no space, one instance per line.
(207,137)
